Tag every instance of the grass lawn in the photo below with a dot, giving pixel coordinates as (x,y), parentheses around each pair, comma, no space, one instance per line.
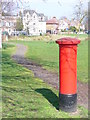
(47,54)
(23,95)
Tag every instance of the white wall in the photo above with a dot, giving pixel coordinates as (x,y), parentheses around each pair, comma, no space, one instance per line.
(35,27)
(63,25)
(42,27)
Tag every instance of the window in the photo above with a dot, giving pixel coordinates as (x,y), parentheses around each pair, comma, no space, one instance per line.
(27,23)
(41,18)
(40,31)
(34,29)
(3,23)
(9,23)
(27,16)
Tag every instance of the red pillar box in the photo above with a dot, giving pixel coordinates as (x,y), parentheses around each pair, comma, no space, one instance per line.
(68,74)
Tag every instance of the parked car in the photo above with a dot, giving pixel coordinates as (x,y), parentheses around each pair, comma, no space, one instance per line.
(15,33)
(23,33)
(87,32)
(5,33)
(18,33)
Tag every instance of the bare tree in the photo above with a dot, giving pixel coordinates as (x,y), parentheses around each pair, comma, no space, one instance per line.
(80,13)
(7,7)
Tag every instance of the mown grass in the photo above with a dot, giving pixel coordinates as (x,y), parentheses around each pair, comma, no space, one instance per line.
(82,61)
(24,96)
(47,54)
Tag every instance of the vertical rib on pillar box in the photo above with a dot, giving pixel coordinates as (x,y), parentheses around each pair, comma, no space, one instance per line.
(68,74)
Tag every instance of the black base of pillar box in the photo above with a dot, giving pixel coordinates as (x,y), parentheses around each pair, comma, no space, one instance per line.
(68,103)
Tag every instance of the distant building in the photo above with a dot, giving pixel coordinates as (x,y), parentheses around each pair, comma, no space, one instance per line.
(52,25)
(9,24)
(64,24)
(76,24)
(34,23)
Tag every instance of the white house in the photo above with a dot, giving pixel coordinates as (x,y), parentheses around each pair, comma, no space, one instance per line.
(34,23)
(9,24)
(64,24)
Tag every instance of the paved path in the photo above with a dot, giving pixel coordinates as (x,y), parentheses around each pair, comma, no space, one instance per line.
(46,76)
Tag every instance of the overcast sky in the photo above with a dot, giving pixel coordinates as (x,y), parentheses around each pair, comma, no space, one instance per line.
(52,8)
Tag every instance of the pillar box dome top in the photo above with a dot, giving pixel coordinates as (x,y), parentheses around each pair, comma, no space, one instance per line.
(68,41)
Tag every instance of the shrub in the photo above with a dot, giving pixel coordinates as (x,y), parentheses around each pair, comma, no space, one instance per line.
(5,45)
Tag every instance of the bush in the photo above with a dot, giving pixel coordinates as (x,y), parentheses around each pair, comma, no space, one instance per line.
(5,45)
(40,34)
(73,29)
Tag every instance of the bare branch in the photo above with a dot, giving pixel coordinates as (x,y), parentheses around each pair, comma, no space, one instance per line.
(44,1)
(59,3)
(80,13)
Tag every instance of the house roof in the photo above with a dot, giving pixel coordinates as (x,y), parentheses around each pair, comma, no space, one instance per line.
(7,18)
(30,12)
(64,19)
(33,11)
(52,21)
(40,14)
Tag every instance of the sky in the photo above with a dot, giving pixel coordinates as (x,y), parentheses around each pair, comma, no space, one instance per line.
(51,8)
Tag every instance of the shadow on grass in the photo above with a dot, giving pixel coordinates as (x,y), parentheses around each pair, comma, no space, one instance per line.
(50,96)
